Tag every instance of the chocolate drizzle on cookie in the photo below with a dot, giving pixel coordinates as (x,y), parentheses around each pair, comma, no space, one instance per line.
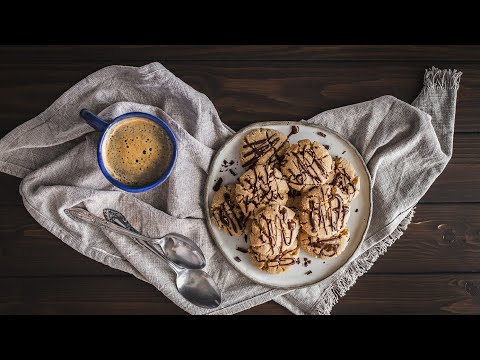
(267,148)
(345,182)
(323,215)
(229,214)
(261,186)
(277,263)
(274,231)
(326,248)
(304,168)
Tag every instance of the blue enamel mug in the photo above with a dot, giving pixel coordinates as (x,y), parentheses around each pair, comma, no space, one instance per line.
(106,127)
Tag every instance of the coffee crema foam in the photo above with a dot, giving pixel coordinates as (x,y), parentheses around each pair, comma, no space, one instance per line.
(137,152)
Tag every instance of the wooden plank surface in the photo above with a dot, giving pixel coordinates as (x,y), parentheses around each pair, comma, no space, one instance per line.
(433,269)
(249,91)
(379,294)
(65,54)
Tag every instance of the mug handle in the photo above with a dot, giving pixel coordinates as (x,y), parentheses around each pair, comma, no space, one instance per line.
(93,120)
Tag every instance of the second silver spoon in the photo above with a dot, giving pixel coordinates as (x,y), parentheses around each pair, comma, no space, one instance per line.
(195,285)
(189,282)
(177,248)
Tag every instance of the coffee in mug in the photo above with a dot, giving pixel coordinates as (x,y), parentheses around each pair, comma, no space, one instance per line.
(137,151)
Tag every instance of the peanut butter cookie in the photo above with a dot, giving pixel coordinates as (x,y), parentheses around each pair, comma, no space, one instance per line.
(346,179)
(225,212)
(306,165)
(325,248)
(274,230)
(275,264)
(260,186)
(324,212)
(263,147)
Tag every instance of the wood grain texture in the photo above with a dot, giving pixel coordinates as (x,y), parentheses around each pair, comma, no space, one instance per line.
(64,54)
(374,294)
(455,294)
(249,91)
(433,268)
(442,238)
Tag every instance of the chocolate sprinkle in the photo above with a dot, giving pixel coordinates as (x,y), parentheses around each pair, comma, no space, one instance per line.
(344,151)
(245,237)
(308,272)
(295,130)
(322,134)
(326,147)
(217,185)
(232,172)
(242,250)
(356,210)
(231,162)
(237,259)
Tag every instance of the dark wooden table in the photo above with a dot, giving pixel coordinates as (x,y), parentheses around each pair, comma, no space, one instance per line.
(433,269)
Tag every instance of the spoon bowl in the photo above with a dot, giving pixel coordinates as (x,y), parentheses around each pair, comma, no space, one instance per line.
(181,250)
(194,285)
(177,248)
(199,288)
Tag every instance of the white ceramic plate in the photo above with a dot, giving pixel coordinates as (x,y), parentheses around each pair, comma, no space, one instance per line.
(320,269)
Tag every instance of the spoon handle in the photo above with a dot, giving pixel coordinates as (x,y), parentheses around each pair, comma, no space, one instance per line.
(83,215)
(119,219)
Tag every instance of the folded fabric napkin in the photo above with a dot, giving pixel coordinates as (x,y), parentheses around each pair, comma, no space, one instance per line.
(404,146)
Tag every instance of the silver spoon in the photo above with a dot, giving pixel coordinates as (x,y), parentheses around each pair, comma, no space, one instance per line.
(177,248)
(186,282)
(193,284)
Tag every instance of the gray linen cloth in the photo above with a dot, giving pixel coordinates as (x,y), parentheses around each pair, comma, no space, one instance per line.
(405,148)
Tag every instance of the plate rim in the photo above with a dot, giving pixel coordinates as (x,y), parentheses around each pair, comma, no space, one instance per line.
(206,206)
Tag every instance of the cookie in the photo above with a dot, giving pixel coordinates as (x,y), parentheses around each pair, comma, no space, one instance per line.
(274,230)
(294,200)
(262,147)
(275,264)
(346,179)
(260,186)
(306,165)
(324,212)
(225,212)
(325,248)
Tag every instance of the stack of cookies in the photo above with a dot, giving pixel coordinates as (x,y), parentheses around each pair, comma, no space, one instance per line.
(290,195)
